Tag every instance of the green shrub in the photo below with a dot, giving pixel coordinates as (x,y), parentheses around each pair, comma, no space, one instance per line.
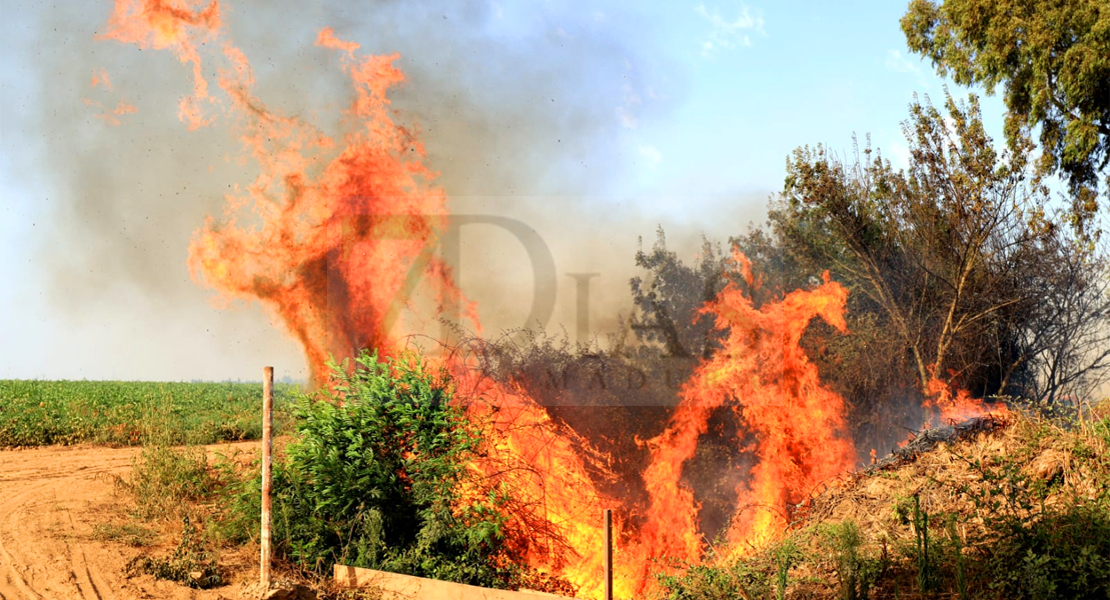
(165,481)
(785,555)
(959,561)
(924,556)
(373,480)
(1060,554)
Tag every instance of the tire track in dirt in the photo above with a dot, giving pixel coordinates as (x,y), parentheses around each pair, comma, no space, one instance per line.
(50,500)
(42,542)
(12,581)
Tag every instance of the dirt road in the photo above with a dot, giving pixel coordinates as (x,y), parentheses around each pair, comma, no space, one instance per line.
(50,500)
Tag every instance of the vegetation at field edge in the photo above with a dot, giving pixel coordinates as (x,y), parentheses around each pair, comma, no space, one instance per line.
(123,413)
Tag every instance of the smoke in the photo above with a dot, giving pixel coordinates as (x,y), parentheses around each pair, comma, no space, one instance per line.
(522,115)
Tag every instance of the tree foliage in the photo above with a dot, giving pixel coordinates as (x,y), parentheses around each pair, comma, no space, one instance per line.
(1052,58)
(668,301)
(956,256)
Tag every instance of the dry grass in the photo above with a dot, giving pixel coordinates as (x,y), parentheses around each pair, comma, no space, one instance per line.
(1016,508)
(945,478)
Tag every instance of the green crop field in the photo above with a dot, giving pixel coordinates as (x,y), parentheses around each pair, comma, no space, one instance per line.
(122,413)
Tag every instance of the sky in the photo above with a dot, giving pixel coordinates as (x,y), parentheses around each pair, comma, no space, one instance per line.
(591,124)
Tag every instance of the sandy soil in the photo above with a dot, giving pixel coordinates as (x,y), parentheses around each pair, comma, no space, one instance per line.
(50,500)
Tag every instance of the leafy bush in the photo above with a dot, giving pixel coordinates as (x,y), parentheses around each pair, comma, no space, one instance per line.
(1042,548)
(717,582)
(374,480)
(785,555)
(856,572)
(1061,554)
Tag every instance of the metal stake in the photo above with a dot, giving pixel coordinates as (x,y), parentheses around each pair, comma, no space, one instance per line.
(608,554)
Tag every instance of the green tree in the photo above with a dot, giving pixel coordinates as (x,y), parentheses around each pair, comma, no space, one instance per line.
(668,301)
(1053,59)
(956,256)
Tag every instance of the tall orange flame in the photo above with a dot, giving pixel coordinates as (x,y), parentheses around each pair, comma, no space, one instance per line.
(332,244)
(763,375)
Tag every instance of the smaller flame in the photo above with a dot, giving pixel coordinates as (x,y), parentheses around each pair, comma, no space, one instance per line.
(172,25)
(950,404)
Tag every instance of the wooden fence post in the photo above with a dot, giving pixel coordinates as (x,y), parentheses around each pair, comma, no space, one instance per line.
(267,460)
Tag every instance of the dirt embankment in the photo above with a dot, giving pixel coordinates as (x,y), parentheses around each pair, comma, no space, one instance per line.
(51,499)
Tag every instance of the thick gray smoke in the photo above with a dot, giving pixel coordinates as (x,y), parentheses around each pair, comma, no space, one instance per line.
(521,114)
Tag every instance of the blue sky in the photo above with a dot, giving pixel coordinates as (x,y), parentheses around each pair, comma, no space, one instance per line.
(792,74)
(698,103)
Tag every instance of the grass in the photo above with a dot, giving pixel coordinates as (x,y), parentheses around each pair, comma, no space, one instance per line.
(166,482)
(128,534)
(117,413)
(172,484)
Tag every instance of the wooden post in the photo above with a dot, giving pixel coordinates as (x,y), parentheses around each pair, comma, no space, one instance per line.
(608,554)
(267,460)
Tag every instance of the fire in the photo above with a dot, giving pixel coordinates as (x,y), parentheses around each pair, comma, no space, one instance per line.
(166,24)
(111,117)
(554,502)
(950,403)
(100,78)
(332,244)
(335,235)
(763,375)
